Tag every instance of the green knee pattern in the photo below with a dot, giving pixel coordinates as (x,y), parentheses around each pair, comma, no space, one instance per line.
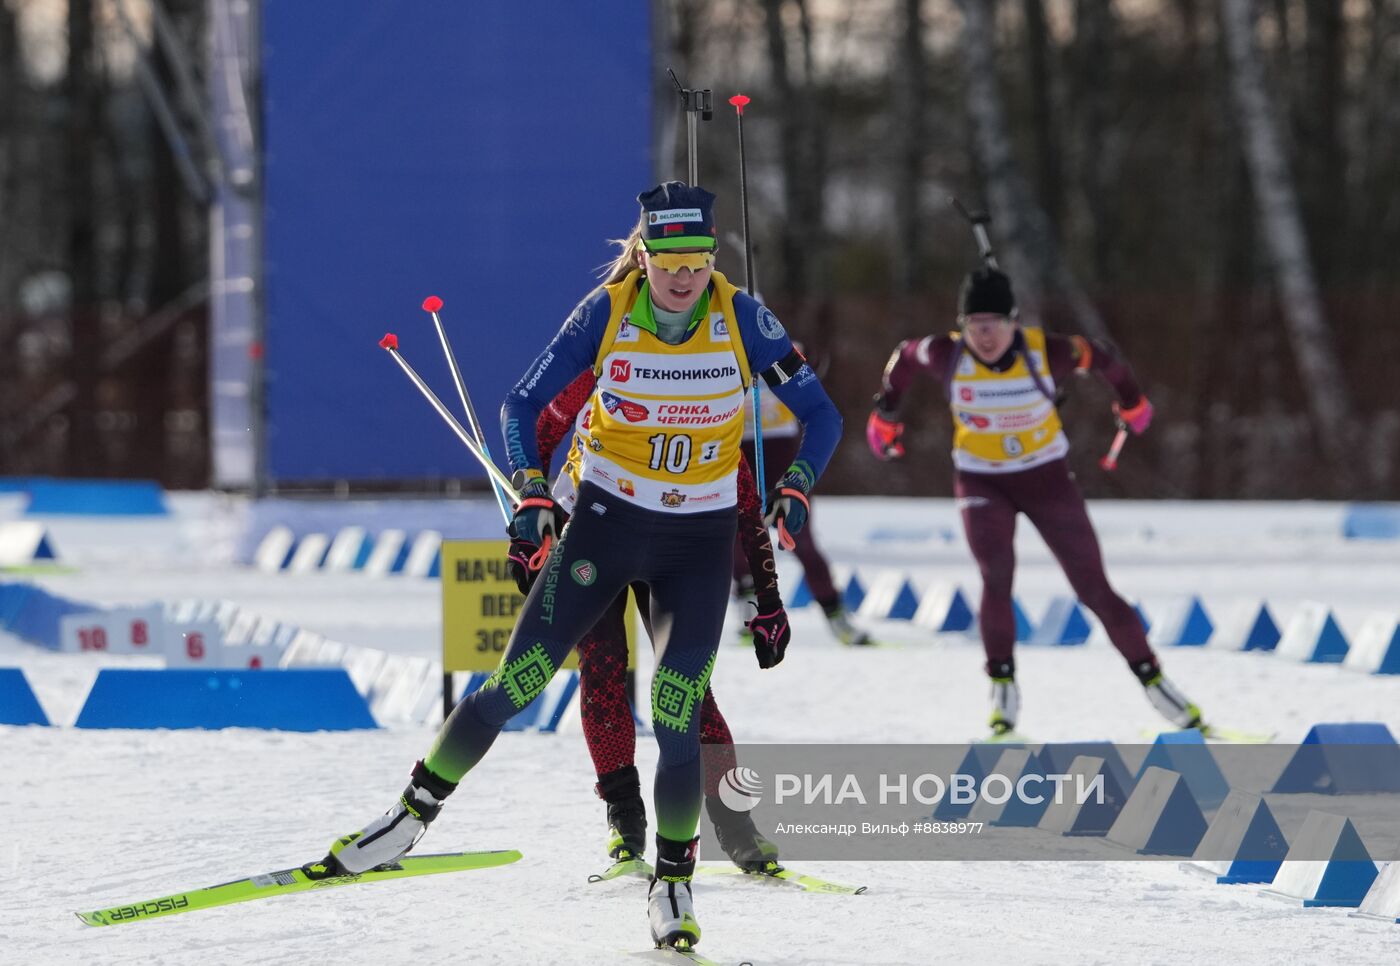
(674,696)
(524,678)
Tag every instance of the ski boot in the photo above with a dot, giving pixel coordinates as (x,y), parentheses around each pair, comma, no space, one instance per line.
(740,840)
(1169,702)
(670,907)
(1006,699)
(627,813)
(389,837)
(841,627)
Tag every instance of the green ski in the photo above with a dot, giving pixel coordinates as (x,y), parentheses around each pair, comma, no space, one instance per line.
(636,868)
(287,881)
(673,954)
(807,883)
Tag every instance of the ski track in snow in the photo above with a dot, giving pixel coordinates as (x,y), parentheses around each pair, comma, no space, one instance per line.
(101,817)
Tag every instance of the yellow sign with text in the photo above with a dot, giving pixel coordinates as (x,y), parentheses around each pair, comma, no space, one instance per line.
(480,604)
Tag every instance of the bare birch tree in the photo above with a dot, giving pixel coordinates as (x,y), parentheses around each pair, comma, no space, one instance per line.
(1276,206)
(1030,253)
(908,116)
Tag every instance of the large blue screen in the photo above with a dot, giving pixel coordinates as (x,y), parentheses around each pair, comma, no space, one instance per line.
(474,151)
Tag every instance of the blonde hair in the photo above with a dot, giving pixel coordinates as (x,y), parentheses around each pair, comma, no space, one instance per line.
(626,259)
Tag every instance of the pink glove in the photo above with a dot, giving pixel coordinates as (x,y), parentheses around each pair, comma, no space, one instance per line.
(883,436)
(1138,418)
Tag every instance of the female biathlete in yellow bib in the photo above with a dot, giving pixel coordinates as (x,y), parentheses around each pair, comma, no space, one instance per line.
(674,346)
(1009,457)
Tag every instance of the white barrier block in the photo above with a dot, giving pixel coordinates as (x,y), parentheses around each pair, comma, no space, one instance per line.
(362,664)
(395,700)
(346,550)
(1312,635)
(273,549)
(1182,623)
(194,644)
(1327,865)
(310,551)
(117,630)
(881,596)
(240,631)
(302,649)
(385,553)
(1248,626)
(23,542)
(1097,813)
(944,609)
(423,553)
(1161,816)
(1376,649)
(1383,899)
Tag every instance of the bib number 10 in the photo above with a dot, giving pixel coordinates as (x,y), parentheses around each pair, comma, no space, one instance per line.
(671,453)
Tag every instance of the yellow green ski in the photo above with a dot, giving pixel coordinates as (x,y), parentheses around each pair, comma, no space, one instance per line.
(287,881)
(775,872)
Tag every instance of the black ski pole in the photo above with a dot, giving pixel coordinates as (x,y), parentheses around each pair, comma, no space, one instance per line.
(979,220)
(698,106)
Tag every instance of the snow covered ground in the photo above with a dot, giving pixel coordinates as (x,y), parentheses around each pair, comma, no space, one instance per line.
(100,817)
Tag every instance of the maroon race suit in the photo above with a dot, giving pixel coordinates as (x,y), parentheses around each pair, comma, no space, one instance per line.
(1046,494)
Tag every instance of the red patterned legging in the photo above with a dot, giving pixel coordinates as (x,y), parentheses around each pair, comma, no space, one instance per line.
(608,725)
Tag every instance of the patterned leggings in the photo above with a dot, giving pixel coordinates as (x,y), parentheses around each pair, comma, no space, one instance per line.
(607,717)
(607,545)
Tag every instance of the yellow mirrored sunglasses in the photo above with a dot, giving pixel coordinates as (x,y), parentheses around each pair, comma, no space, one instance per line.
(675,261)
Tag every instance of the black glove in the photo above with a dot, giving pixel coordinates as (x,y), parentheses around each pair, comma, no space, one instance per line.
(771,633)
(518,564)
(788,506)
(538,519)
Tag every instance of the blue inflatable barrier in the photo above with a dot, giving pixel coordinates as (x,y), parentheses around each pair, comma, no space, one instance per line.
(1184,625)
(1064,623)
(1346,871)
(1346,758)
(1023,623)
(1187,753)
(977,762)
(18,705)
(1097,813)
(943,609)
(801,594)
(853,594)
(1243,844)
(1263,634)
(296,699)
(96,498)
(1372,521)
(13,597)
(1058,756)
(39,615)
(906,604)
(1161,817)
(1016,765)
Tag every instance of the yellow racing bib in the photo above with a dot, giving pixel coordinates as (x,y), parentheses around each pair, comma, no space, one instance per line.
(1003,421)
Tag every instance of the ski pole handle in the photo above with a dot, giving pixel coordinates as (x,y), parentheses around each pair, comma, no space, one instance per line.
(1110,459)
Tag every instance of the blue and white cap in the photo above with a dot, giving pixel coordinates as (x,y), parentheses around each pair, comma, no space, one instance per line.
(678,216)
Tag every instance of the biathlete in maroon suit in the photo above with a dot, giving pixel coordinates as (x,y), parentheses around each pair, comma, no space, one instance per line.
(1009,451)
(608,724)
